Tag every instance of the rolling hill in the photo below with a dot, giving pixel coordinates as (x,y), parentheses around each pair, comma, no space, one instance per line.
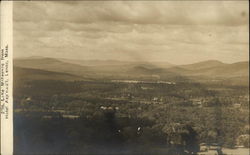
(211,69)
(203,65)
(117,63)
(51,64)
(239,69)
(37,74)
(93,68)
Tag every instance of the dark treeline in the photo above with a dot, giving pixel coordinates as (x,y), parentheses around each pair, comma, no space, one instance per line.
(108,117)
(101,134)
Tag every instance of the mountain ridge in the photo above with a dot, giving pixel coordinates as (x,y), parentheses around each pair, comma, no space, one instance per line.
(209,69)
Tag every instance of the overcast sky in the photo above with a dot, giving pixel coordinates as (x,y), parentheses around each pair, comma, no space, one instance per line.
(173,31)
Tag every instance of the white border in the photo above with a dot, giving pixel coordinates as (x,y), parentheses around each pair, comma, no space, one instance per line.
(7,111)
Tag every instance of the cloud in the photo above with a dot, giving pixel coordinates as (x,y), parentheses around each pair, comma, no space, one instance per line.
(137,12)
(174,31)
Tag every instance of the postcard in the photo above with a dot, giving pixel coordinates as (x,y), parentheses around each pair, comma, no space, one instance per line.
(125,77)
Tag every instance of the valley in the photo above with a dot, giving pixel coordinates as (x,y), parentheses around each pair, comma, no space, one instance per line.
(77,108)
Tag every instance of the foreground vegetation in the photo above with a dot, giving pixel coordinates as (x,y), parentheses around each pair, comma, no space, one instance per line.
(122,117)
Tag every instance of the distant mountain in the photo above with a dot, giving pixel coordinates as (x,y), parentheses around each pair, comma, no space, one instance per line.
(51,64)
(163,64)
(239,69)
(37,74)
(112,69)
(203,65)
(95,62)
(117,63)
(85,67)
(145,70)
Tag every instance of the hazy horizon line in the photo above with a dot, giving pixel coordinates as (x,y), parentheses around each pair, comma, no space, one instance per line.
(170,63)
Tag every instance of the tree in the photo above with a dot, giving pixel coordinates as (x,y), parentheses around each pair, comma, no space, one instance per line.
(190,138)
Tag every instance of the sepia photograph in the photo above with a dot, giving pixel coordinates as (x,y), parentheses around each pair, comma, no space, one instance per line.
(131,77)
